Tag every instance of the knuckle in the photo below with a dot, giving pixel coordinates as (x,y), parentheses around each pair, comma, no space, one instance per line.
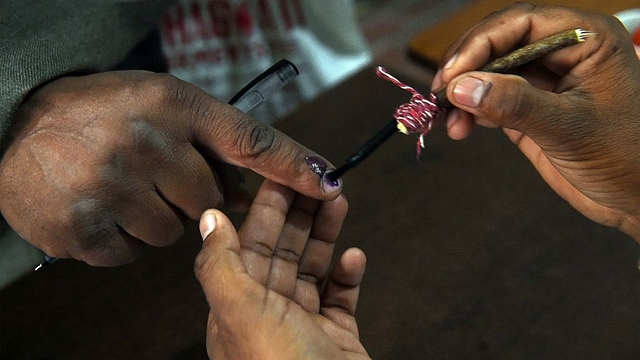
(89,224)
(173,92)
(111,256)
(259,247)
(287,255)
(171,89)
(256,140)
(90,234)
(199,265)
(96,237)
(517,108)
(142,138)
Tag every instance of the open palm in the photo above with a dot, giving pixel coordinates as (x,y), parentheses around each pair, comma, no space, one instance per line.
(264,284)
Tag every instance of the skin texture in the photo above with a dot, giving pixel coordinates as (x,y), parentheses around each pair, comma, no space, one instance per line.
(263,284)
(574,113)
(100,166)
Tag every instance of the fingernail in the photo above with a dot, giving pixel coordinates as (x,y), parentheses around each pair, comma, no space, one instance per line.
(451,61)
(207,223)
(319,166)
(437,81)
(470,90)
(452,117)
(329,185)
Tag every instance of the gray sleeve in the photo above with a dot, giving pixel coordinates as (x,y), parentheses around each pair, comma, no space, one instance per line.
(44,39)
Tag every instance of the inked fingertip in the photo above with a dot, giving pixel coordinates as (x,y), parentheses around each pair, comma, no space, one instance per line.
(317,165)
(329,184)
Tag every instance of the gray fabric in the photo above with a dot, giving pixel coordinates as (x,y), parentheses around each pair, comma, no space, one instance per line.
(45,39)
(17,257)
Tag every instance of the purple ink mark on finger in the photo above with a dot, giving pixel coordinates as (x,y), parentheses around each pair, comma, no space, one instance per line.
(319,166)
(332,183)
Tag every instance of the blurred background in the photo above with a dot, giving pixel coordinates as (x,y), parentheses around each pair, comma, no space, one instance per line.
(487,264)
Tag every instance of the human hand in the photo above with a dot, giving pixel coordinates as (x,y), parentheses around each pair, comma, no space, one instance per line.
(575,114)
(264,284)
(101,165)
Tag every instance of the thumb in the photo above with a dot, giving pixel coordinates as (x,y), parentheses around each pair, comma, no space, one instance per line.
(510,101)
(218,265)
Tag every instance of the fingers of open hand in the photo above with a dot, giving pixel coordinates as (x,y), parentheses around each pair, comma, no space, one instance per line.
(261,229)
(340,297)
(291,244)
(316,259)
(275,234)
(288,241)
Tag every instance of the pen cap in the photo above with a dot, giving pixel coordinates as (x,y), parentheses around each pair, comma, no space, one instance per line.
(275,78)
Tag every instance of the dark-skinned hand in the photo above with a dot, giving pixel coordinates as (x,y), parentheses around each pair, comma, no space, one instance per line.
(100,166)
(574,113)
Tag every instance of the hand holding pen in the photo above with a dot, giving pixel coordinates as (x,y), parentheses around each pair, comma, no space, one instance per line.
(124,161)
(573,113)
(248,98)
(572,110)
(420,113)
(252,95)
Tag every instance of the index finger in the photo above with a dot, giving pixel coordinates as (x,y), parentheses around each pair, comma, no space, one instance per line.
(238,139)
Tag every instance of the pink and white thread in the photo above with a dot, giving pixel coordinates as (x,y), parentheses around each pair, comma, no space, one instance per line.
(416,116)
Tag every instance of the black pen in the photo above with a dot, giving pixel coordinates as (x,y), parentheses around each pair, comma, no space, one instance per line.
(249,97)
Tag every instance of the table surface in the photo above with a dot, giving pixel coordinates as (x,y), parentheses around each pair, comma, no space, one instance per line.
(470,255)
(430,45)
